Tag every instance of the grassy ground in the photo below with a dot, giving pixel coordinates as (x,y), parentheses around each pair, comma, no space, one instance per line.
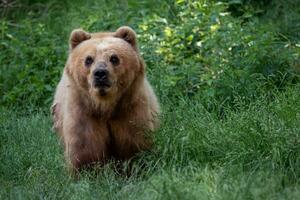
(231,135)
(252,154)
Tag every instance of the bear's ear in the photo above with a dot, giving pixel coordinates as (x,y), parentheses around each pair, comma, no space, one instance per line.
(127,34)
(77,36)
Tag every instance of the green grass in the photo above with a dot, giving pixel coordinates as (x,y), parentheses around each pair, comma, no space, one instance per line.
(252,153)
(228,84)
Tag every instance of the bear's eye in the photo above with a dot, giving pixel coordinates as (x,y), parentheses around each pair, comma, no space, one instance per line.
(88,61)
(114,60)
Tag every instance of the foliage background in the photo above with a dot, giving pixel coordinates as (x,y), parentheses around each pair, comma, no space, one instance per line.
(226,74)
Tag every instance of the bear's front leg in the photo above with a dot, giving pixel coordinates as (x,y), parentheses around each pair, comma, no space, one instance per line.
(86,142)
(131,131)
(127,139)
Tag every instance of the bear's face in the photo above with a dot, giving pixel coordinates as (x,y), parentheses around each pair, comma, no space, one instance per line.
(104,65)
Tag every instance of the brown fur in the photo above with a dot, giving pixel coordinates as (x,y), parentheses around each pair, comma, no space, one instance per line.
(94,128)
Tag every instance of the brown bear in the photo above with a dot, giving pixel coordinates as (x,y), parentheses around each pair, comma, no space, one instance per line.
(104,105)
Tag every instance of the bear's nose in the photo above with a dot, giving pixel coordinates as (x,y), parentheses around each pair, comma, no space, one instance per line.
(100,74)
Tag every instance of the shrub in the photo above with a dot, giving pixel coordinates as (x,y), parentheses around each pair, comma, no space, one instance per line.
(208,53)
(193,48)
(31,64)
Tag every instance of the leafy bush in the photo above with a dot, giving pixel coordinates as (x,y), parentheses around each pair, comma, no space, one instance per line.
(31,64)
(208,53)
(194,48)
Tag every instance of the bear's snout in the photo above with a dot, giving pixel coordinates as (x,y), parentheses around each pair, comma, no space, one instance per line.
(101,77)
(100,74)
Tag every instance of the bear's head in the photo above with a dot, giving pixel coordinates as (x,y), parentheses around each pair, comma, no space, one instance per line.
(104,65)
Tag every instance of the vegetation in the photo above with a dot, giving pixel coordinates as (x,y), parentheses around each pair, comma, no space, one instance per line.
(226,74)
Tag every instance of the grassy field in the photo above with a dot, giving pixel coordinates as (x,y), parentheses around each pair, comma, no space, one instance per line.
(226,77)
(252,154)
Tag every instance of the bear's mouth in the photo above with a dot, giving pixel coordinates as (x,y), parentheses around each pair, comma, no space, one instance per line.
(102,86)
(102,83)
